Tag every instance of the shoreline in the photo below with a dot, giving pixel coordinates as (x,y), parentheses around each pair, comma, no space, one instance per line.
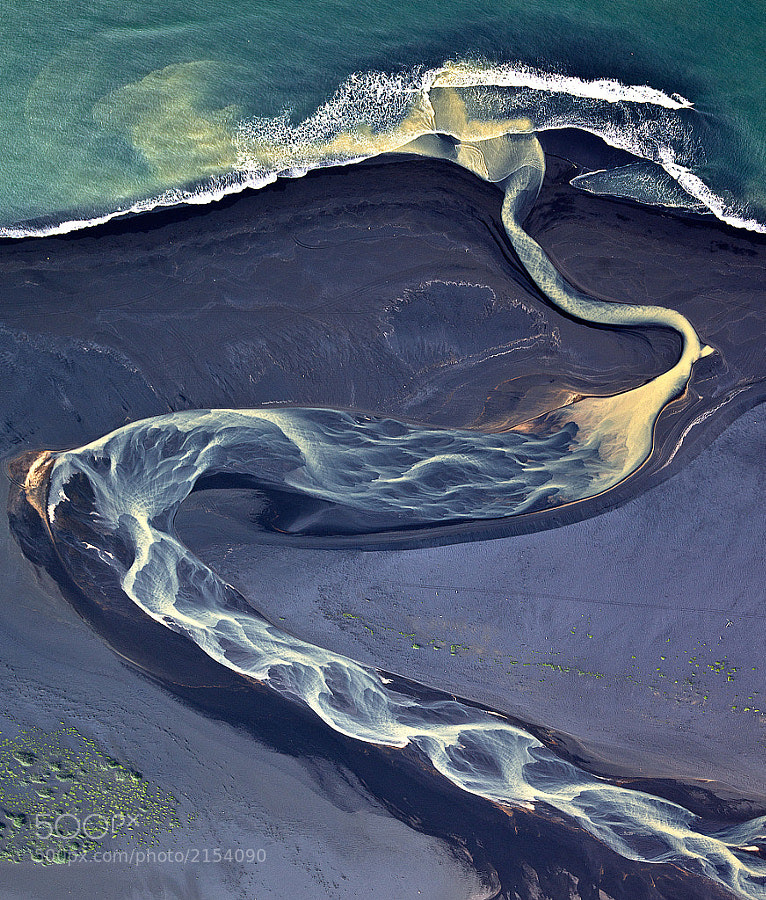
(584,149)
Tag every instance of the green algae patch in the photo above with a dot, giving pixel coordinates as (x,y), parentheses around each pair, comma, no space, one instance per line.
(60,795)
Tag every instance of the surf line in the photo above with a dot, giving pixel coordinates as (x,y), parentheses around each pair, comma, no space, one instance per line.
(109,508)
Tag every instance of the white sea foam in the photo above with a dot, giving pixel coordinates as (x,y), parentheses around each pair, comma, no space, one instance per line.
(176,197)
(515,75)
(697,188)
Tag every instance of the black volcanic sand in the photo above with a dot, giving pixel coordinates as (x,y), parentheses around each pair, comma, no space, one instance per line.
(382,288)
(391,287)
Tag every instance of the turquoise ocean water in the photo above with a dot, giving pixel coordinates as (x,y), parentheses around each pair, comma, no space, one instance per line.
(108,106)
